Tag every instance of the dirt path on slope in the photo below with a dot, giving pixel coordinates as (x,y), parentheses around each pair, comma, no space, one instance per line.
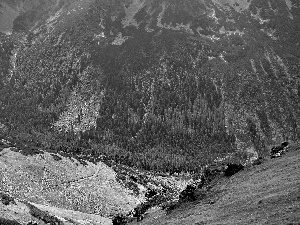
(265,194)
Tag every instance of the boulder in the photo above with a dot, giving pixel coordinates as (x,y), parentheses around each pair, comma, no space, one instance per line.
(279,150)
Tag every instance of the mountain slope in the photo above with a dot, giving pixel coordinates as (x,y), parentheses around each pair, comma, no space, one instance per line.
(64,182)
(161,85)
(264,194)
(172,84)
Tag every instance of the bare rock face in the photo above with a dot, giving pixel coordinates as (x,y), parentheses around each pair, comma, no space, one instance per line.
(65,183)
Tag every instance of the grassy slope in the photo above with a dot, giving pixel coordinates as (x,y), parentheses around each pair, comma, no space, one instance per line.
(264,194)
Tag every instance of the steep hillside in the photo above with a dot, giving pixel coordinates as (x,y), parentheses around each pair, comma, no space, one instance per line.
(264,194)
(267,193)
(36,184)
(64,182)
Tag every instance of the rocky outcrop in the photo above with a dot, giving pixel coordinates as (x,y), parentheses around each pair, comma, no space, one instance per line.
(279,150)
(155,190)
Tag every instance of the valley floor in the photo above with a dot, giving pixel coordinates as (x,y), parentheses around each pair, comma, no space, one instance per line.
(264,194)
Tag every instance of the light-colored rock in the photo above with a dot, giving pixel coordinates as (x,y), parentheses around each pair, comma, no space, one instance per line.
(90,188)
